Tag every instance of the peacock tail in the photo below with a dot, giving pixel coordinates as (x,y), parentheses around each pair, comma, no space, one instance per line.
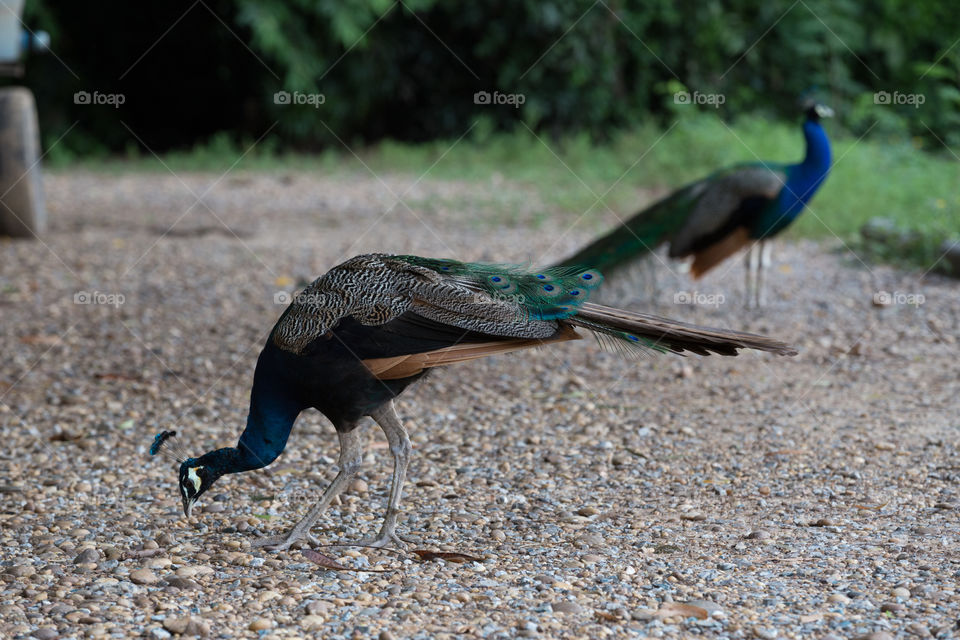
(640,235)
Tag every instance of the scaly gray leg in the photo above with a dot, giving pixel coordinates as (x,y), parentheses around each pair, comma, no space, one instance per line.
(764,263)
(351,457)
(748,276)
(650,278)
(386,416)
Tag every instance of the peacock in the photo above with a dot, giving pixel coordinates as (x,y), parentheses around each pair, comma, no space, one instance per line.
(713,218)
(355,338)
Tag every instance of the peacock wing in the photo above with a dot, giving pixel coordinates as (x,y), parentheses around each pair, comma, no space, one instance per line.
(376,289)
(724,199)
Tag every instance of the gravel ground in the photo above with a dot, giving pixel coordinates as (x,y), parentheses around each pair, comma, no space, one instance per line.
(757,496)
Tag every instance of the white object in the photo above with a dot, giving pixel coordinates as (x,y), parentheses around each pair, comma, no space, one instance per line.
(10,29)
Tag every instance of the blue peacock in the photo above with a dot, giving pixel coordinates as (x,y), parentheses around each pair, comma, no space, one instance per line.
(713,218)
(355,338)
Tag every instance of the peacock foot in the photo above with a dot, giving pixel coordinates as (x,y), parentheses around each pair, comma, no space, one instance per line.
(285,541)
(386,539)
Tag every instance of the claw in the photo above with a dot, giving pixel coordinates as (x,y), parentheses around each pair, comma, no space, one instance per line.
(285,541)
(385,539)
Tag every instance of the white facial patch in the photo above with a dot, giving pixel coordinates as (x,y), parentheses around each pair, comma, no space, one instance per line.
(194,478)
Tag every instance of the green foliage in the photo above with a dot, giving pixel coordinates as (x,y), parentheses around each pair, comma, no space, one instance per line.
(884,240)
(410,70)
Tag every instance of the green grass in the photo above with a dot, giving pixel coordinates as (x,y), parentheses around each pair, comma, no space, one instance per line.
(915,188)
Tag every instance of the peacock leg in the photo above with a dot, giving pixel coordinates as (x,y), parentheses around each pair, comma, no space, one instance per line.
(386,416)
(351,457)
(763,264)
(650,278)
(748,275)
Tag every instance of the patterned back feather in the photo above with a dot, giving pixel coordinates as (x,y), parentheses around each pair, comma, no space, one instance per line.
(550,294)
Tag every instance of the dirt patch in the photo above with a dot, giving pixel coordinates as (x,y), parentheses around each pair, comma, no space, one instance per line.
(740,497)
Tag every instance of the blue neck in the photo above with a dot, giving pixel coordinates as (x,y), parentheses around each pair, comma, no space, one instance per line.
(274,408)
(803,180)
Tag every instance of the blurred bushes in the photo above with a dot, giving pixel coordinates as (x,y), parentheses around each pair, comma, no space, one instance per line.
(411,71)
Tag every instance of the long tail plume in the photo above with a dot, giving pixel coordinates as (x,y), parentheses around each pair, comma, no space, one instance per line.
(638,236)
(661,334)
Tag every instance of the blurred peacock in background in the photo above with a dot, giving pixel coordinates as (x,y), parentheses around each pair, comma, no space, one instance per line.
(355,338)
(711,219)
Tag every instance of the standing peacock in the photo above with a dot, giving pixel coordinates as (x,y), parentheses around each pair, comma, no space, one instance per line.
(713,218)
(356,337)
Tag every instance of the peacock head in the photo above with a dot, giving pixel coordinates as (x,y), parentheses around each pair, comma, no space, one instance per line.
(195,479)
(814,111)
(196,474)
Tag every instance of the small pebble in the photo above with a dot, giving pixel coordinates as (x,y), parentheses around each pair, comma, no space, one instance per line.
(566,606)
(182,583)
(892,607)
(87,555)
(143,576)
(311,622)
(260,624)
(175,624)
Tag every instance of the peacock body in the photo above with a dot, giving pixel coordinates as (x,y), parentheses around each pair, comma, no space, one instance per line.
(358,336)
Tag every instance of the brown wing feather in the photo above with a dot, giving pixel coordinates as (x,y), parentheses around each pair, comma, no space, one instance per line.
(716,253)
(404,366)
